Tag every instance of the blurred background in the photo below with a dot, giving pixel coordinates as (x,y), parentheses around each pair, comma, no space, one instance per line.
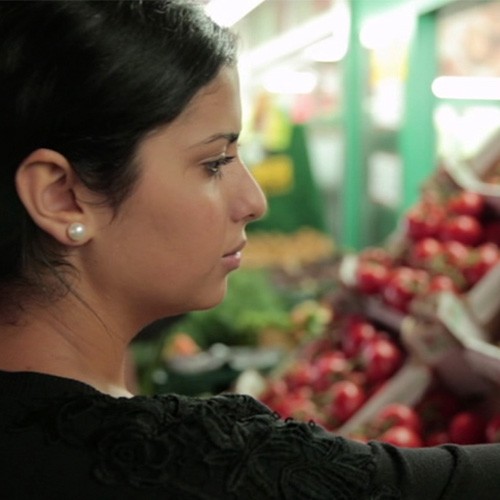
(381,89)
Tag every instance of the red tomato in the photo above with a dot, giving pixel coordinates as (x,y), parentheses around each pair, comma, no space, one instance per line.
(403,436)
(380,359)
(423,220)
(467,427)
(424,251)
(302,374)
(441,283)
(403,284)
(397,414)
(462,228)
(493,429)
(355,335)
(481,260)
(347,398)
(371,277)
(296,405)
(330,367)
(456,254)
(467,203)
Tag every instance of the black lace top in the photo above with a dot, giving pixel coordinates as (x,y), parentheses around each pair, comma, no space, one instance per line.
(61,439)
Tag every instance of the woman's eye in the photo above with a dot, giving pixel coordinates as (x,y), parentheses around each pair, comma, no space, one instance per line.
(214,167)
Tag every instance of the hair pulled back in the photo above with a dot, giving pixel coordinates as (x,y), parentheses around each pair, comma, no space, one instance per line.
(89,79)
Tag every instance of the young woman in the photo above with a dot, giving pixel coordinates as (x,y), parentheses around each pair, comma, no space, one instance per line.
(123,200)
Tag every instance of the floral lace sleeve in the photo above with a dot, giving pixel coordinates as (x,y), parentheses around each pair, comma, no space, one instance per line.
(225,447)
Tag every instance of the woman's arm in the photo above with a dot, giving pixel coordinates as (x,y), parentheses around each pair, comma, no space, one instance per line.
(446,472)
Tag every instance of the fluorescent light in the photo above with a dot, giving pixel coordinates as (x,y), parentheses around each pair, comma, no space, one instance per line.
(334,47)
(335,22)
(467,87)
(283,81)
(229,12)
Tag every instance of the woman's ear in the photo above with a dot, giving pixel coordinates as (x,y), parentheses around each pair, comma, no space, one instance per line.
(49,190)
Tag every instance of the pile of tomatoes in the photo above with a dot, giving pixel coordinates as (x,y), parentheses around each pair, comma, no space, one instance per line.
(440,417)
(447,243)
(448,246)
(337,375)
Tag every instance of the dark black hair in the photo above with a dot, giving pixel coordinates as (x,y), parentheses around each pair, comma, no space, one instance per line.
(89,79)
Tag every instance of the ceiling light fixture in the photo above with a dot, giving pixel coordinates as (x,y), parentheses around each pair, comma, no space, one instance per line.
(334,23)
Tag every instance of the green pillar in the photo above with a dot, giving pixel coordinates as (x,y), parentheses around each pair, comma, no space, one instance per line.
(354,178)
(418,136)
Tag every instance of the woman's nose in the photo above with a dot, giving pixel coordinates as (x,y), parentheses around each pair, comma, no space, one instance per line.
(253,199)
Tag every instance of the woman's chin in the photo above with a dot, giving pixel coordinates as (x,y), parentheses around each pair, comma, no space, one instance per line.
(212,301)
(208,300)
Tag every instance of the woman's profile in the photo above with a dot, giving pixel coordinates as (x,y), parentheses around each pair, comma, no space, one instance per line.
(123,200)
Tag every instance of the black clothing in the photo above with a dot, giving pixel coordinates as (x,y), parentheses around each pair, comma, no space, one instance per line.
(62,439)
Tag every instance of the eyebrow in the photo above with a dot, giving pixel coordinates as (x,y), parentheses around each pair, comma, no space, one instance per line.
(229,137)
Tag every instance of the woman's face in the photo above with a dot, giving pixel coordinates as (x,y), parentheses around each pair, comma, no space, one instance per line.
(176,238)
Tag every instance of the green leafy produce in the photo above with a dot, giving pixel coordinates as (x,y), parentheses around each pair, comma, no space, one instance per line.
(252,304)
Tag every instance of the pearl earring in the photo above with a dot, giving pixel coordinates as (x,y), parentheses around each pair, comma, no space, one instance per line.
(77,231)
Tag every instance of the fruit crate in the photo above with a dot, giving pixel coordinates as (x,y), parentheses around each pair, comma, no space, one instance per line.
(418,407)
(479,172)
(483,302)
(451,333)
(407,386)
(474,324)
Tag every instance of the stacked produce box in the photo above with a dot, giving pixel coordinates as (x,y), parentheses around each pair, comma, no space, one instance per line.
(410,355)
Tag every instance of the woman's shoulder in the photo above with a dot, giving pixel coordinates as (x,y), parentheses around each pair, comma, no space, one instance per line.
(159,411)
(226,446)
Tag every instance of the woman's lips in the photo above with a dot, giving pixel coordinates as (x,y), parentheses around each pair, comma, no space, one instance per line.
(232,259)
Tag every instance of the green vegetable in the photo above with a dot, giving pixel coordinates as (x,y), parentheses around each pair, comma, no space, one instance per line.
(252,304)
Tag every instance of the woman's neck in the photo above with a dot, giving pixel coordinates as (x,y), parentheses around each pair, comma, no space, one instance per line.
(68,340)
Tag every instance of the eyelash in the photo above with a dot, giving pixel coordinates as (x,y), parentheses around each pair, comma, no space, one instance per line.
(214,167)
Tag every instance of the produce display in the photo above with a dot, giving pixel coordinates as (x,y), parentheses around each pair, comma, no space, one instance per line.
(391,364)
(439,417)
(448,241)
(333,376)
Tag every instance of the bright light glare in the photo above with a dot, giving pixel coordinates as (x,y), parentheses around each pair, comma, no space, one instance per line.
(334,47)
(283,81)
(229,12)
(396,26)
(336,22)
(328,50)
(291,41)
(463,132)
(467,87)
